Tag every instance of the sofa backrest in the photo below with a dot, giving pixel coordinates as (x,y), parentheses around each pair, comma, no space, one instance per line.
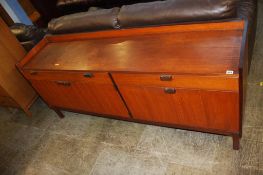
(174,11)
(145,14)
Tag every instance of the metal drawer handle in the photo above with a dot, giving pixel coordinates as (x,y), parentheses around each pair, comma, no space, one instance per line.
(166,77)
(170,90)
(63,83)
(88,75)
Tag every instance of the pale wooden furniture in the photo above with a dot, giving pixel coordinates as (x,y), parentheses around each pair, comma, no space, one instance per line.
(15,90)
(185,76)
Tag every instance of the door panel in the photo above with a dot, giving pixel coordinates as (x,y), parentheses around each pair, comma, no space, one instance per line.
(193,108)
(84,96)
(222,109)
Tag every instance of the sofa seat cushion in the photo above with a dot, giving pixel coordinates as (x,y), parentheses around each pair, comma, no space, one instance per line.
(173,11)
(92,20)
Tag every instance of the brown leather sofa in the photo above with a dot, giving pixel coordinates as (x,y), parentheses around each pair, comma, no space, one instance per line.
(27,35)
(127,14)
(73,6)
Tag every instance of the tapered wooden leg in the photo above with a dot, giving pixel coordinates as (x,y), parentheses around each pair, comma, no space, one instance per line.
(59,113)
(28,113)
(236,141)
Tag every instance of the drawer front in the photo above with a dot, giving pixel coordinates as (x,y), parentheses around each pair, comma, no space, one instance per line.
(7,101)
(80,91)
(189,108)
(81,96)
(228,83)
(93,77)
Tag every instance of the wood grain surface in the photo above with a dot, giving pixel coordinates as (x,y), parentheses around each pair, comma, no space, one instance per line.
(195,108)
(223,82)
(15,86)
(96,94)
(178,52)
(171,75)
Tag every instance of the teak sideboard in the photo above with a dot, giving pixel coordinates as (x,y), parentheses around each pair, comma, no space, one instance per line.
(189,76)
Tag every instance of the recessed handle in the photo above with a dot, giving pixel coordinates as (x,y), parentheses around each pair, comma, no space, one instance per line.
(166,77)
(63,83)
(88,75)
(170,90)
(33,72)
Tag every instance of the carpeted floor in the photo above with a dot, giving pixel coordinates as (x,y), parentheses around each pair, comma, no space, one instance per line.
(81,144)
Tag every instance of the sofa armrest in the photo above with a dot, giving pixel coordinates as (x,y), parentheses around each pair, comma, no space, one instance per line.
(92,20)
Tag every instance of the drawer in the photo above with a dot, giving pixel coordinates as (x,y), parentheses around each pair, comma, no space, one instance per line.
(7,101)
(222,82)
(93,77)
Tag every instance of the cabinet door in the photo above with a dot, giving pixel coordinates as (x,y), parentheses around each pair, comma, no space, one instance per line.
(82,95)
(192,108)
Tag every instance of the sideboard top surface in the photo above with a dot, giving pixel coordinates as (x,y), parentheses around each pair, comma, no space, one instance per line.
(197,52)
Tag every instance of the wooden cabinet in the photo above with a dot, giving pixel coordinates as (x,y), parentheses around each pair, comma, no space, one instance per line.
(85,91)
(15,91)
(187,76)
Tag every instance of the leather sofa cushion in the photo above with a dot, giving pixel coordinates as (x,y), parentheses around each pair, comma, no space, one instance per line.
(26,33)
(85,21)
(76,2)
(80,5)
(23,32)
(173,11)
(74,6)
(70,2)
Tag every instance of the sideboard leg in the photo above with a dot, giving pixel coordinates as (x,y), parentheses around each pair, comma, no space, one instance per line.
(59,113)
(28,113)
(236,141)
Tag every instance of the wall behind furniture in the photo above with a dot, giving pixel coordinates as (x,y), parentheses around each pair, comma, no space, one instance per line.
(15,11)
